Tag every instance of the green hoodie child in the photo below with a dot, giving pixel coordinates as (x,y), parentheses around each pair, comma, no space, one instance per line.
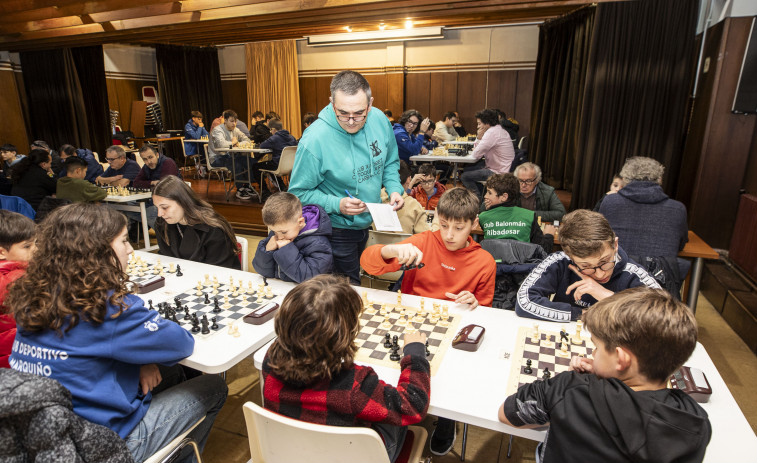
(329,161)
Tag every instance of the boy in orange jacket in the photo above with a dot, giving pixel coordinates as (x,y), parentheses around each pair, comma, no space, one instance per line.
(455,267)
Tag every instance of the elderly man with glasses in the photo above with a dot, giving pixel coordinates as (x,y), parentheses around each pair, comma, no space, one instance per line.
(537,196)
(342,161)
(121,171)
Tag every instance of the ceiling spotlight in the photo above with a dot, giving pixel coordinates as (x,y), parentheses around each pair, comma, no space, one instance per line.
(382,26)
(409,24)
(348,28)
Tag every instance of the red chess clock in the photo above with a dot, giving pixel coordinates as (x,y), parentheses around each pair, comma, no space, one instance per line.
(693,382)
(469,338)
(261,314)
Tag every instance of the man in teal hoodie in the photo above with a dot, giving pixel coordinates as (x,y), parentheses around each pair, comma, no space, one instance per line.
(342,161)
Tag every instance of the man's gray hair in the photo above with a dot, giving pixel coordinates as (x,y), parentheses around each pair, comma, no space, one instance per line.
(349,83)
(529,166)
(118,149)
(639,168)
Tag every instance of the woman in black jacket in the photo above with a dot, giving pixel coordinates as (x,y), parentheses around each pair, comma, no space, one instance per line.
(188,228)
(32,178)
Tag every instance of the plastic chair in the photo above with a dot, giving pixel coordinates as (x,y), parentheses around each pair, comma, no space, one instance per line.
(245,256)
(286,163)
(194,157)
(277,439)
(170,451)
(149,94)
(219,171)
(382,237)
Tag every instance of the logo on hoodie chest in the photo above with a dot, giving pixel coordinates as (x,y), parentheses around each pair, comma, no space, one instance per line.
(364,172)
(375,150)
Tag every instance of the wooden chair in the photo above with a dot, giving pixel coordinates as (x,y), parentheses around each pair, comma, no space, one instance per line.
(277,439)
(286,163)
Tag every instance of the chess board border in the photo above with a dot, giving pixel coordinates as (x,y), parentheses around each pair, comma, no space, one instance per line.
(517,361)
(363,355)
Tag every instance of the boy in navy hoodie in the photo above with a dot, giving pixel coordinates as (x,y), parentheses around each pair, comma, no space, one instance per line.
(297,248)
(616,406)
(591,268)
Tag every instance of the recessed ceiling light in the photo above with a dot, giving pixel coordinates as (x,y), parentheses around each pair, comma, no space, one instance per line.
(409,24)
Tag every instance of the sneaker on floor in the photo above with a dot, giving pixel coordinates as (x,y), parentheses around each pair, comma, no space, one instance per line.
(443,437)
(244,193)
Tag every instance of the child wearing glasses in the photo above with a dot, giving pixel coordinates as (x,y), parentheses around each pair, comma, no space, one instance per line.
(591,267)
(426,190)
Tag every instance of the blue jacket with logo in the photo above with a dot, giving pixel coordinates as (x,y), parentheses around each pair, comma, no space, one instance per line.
(553,276)
(329,161)
(100,364)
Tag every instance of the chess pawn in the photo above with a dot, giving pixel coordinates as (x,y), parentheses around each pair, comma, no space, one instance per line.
(268,292)
(215,280)
(234,291)
(383,311)
(199,292)
(226,304)
(535,334)
(171,268)
(244,299)
(386,324)
(402,321)
(249,288)
(207,280)
(399,297)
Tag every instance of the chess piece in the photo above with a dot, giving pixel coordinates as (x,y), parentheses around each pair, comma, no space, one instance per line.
(546,374)
(207,299)
(171,268)
(387,340)
(214,326)
(216,309)
(244,299)
(149,301)
(186,313)
(386,324)
(445,316)
(249,287)
(395,340)
(535,334)
(528,370)
(178,271)
(577,337)
(268,292)
(395,355)
(428,352)
(402,321)
(233,330)
(399,297)
(207,280)
(205,329)
(564,347)
(195,324)
(226,304)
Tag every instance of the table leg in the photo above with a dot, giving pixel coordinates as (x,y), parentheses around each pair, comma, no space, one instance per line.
(465,441)
(249,179)
(145,227)
(233,175)
(696,278)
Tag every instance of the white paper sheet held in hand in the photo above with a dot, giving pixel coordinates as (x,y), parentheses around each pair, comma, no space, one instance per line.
(384,217)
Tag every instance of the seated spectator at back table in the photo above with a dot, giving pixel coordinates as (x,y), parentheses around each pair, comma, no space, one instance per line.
(94,168)
(238,124)
(502,219)
(280,138)
(57,163)
(510,125)
(409,142)
(445,129)
(493,144)
(194,129)
(261,131)
(389,115)
(73,187)
(308,119)
(121,171)
(591,267)
(428,190)
(461,132)
(536,195)
(413,217)
(157,166)
(615,186)
(9,155)
(297,247)
(189,228)
(32,178)
(227,136)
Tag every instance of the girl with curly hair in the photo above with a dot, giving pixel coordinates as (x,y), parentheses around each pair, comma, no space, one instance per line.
(79,324)
(310,374)
(189,228)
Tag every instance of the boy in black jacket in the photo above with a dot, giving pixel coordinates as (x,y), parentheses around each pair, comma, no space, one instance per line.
(591,268)
(616,406)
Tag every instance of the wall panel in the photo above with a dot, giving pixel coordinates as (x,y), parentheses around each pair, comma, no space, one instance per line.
(234,93)
(13,129)
(396,95)
(471,97)
(442,94)
(524,94)
(417,92)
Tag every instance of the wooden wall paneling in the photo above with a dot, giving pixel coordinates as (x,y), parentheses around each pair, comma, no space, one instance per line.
(750,176)
(234,94)
(307,96)
(501,90)
(523,97)
(442,94)
(13,128)
(471,97)
(395,83)
(726,147)
(743,250)
(322,92)
(378,90)
(121,94)
(416,92)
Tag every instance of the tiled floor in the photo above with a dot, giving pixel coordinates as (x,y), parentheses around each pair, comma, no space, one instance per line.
(736,363)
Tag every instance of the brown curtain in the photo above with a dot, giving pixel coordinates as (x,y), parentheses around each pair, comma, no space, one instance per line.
(611,82)
(559,82)
(273,83)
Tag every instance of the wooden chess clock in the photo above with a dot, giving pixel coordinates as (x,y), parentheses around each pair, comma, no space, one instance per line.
(261,314)
(469,338)
(693,382)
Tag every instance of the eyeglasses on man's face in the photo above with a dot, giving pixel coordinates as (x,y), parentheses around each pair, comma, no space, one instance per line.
(412,123)
(347,117)
(112,159)
(606,267)
(528,181)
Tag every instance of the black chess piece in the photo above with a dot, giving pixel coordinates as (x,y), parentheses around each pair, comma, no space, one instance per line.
(546,374)
(186,313)
(428,352)
(177,302)
(395,340)
(178,271)
(395,355)
(195,324)
(149,301)
(528,370)
(205,328)
(564,336)
(388,340)
(214,326)
(216,308)
(160,308)
(265,281)
(207,299)
(174,319)
(412,267)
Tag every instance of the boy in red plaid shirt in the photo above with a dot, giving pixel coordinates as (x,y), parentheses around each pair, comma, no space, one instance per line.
(310,375)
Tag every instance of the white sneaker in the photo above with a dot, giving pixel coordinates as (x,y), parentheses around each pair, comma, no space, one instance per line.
(244,193)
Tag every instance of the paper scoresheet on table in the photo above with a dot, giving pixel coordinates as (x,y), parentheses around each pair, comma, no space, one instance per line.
(384,217)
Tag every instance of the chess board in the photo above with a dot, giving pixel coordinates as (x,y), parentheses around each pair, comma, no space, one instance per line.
(370,340)
(542,356)
(148,273)
(235,311)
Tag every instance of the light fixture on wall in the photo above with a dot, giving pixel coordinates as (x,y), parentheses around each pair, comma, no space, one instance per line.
(382,26)
(408,23)
(393,35)
(348,28)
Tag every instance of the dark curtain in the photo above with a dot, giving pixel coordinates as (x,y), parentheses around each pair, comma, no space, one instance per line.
(612,82)
(189,79)
(559,81)
(637,89)
(67,97)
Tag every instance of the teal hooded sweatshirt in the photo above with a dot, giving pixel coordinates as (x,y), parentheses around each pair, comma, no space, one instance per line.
(329,161)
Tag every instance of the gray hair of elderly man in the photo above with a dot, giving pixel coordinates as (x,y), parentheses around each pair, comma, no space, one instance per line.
(640,168)
(349,83)
(118,149)
(529,166)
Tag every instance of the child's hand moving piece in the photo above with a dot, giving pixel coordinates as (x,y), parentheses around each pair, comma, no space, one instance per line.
(406,254)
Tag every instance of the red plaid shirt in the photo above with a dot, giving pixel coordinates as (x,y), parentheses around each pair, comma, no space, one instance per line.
(355,396)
